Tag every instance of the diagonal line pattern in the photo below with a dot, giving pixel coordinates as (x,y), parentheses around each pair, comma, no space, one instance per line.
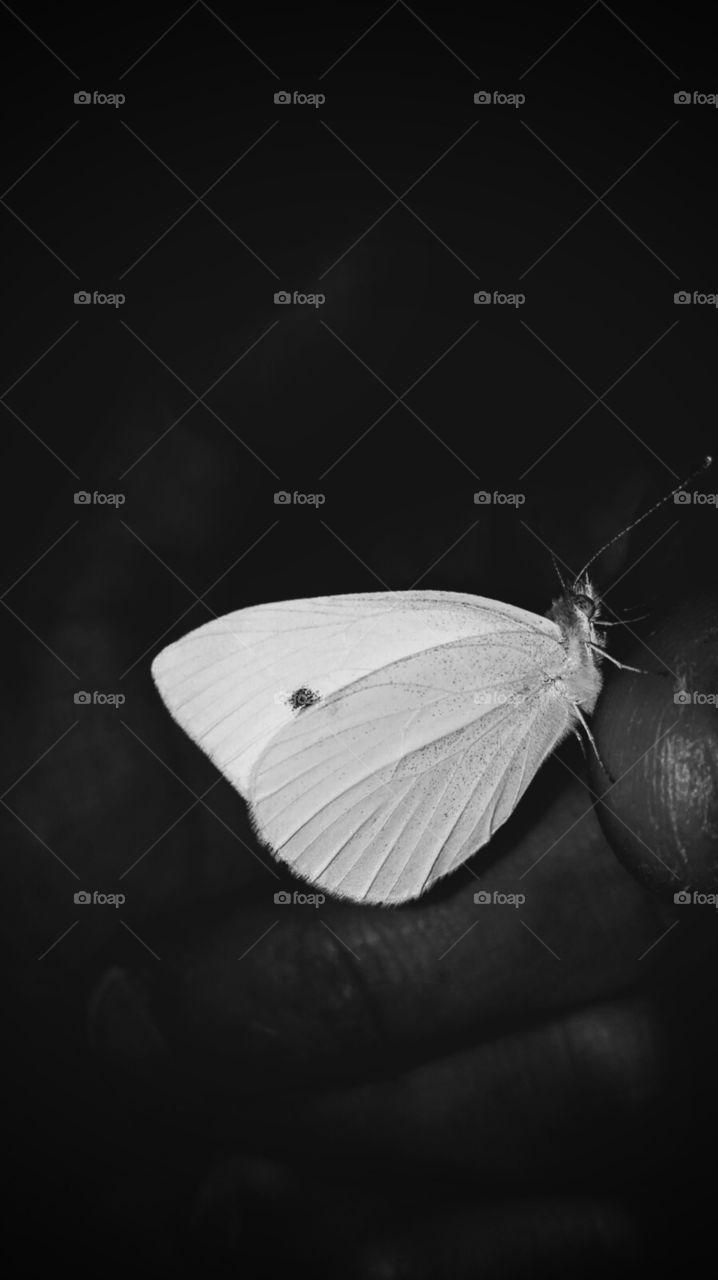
(46,752)
(613,614)
(399,399)
(618,19)
(36,362)
(57,940)
(39,839)
(29,629)
(201,801)
(39,239)
(421,22)
(181,18)
(599,200)
(139,939)
(200,599)
(197,399)
(39,558)
(563,35)
(46,152)
(399,200)
(39,39)
(198,200)
(39,439)
(598,399)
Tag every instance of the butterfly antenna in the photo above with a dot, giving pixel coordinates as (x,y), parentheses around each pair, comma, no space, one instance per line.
(558,571)
(681,485)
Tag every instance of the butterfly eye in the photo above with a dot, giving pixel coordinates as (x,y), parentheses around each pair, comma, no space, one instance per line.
(586,604)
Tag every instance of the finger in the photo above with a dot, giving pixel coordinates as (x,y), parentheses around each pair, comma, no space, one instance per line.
(513,1112)
(542,1237)
(658,736)
(267,990)
(367,1230)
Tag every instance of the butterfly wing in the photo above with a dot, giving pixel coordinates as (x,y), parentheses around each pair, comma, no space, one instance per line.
(394,780)
(232,684)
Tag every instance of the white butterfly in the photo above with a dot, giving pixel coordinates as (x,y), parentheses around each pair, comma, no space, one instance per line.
(381,739)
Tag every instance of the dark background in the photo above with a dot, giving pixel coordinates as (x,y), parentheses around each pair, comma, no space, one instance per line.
(106,399)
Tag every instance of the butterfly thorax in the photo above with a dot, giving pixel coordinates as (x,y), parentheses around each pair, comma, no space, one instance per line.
(576,613)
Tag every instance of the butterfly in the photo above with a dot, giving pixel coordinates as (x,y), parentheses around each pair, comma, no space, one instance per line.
(382,739)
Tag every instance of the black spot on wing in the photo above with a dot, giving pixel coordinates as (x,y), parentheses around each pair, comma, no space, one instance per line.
(302,698)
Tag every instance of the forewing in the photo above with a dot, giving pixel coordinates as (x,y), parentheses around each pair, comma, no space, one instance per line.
(232,683)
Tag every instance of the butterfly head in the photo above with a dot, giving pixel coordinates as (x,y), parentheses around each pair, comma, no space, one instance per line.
(577,612)
(585,599)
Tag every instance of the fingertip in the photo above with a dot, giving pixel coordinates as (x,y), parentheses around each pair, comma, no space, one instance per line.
(657,736)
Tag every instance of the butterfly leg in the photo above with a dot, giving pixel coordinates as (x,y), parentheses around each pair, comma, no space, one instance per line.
(591,739)
(640,618)
(622,666)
